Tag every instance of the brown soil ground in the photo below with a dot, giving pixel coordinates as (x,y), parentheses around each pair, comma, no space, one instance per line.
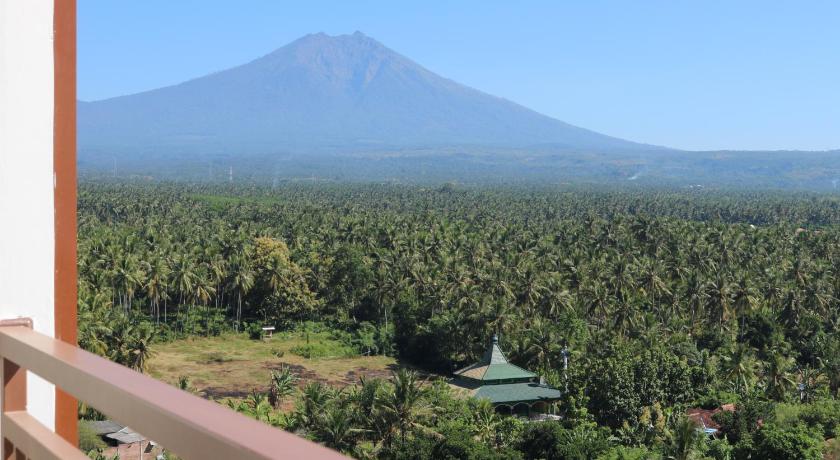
(232,366)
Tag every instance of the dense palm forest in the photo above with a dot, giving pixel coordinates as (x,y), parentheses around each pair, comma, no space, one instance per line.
(665,300)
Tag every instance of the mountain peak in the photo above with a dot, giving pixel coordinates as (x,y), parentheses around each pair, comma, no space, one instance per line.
(357,46)
(342,92)
(324,39)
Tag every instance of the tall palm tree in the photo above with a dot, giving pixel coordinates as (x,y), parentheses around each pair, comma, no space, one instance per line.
(203,289)
(183,277)
(740,368)
(780,381)
(403,403)
(128,277)
(543,343)
(242,281)
(156,284)
(485,421)
(684,440)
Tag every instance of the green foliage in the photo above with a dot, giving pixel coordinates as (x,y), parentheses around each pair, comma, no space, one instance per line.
(202,321)
(184,383)
(621,381)
(685,440)
(283,384)
(748,416)
(629,453)
(788,443)
(715,398)
(115,334)
(257,406)
(324,344)
(551,441)
(96,454)
(458,444)
(255,331)
(823,414)
(88,439)
(663,299)
(720,449)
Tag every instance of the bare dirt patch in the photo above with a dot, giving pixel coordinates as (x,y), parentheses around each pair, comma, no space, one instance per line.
(232,366)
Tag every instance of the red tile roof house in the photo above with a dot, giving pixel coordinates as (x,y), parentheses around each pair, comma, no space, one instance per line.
(704,417)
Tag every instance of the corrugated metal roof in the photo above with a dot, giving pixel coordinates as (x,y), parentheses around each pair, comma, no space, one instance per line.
(517,392)
(494,366)
(494,355)
(507,372)
(103,427)
(126,436)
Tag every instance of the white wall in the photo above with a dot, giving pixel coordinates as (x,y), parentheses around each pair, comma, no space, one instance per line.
(26,176)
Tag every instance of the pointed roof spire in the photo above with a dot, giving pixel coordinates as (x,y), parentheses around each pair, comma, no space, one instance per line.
(494,354)
(494,365)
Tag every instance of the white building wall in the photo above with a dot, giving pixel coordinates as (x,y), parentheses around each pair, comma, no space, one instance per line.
(27,241)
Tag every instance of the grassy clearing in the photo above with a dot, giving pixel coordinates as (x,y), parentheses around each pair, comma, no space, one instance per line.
(232,365)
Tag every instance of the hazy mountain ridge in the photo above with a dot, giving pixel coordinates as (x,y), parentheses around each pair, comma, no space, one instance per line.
(348,108)
(340,93)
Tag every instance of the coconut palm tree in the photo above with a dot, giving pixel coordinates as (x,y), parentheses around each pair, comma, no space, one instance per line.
(684,440)
(402,404)
(242,281)
(780,381)
(740,368)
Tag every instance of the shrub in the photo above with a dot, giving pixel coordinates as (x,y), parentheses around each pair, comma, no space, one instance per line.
(550,441)
(458,445)
(623,381)
(88,439)
(629,453)
(540,440)
(720,449)
(825,413)
(788,443)
(745,420)
(324,345)
(206,321)
(452,444)
(254,331)
(716,398)
(184,383)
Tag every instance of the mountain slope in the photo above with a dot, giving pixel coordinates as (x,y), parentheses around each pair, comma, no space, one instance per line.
(328,94)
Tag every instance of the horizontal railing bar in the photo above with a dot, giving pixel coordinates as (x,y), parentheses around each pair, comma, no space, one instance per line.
(35,440)
(192,427)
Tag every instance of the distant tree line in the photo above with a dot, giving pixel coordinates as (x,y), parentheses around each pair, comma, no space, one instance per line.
(665,299)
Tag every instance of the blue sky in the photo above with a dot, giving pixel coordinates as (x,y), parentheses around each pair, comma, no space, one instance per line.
(686,74)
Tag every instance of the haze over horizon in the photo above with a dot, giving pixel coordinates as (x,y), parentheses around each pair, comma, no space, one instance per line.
(326,94)
(713,76)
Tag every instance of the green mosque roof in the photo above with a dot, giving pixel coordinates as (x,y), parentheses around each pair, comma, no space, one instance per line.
(494,366)
(501,382)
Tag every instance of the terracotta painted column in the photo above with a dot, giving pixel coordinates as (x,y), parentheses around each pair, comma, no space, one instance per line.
(64,165)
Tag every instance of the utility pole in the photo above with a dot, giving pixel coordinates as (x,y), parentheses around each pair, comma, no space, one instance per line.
(565,354)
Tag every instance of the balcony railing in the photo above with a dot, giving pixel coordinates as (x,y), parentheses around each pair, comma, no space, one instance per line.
(192,427)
